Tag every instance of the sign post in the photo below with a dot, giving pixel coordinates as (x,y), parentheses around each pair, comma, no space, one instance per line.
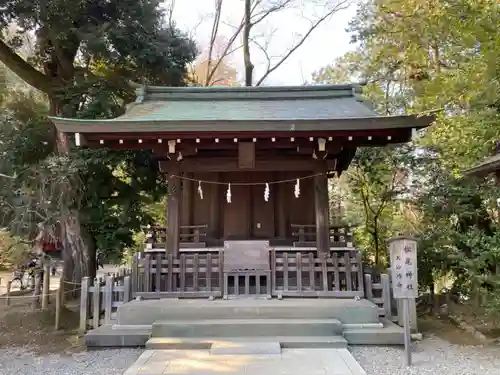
(403,256)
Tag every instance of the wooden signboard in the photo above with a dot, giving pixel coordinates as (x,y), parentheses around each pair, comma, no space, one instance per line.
(246,155)
(246,255)
(403,254)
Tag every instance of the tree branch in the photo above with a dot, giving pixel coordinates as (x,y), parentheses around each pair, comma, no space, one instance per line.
(226,52)
(265,13)
(171,14)
(24,70)
(343,4)
(213,37)
(264,51)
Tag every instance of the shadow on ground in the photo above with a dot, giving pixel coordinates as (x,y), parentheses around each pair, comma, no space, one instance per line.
(22,327)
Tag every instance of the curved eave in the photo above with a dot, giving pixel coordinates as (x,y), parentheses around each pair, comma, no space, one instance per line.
(141,126)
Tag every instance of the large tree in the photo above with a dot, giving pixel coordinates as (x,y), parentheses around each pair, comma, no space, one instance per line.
(437,56)
(251,32)
(84,54)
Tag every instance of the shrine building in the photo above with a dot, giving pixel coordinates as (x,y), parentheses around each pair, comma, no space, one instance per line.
(248,217)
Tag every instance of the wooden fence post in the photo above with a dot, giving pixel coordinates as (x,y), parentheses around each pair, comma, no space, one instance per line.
(58,311)
(108,299)
(84,304)
(134,275)
(413,314)
(7,295)
(96,303)
(368,287)
(46,286)
(37,290)
(126,289)
(386,294)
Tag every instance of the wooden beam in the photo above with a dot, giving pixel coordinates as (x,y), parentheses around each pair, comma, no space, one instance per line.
(321,208)
(190,146)
(231,164)
(173,206)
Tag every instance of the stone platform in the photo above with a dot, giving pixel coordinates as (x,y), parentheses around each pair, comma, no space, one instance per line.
(347,311)
(288,362)
(170,324)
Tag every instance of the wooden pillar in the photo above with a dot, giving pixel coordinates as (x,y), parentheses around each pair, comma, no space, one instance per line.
(321,208)
(214,215)
(173,203)
(186,217)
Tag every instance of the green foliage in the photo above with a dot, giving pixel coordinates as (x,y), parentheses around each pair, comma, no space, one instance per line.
(13,252)
(84,54)
(460,227)
(439,55)
(413,57)
(376,179)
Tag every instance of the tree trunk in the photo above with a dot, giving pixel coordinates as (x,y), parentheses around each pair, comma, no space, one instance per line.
(246,44)
(75,253)
(433,298)
(375,242)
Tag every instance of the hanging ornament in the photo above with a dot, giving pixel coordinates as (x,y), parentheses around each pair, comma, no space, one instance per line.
(266,192)
(200,191)
(228,193)
(297,188)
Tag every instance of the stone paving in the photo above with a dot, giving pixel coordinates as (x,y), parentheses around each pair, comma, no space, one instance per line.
(289,362)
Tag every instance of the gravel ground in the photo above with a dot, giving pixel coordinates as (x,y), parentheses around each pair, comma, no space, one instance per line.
(432,356)
(103,362)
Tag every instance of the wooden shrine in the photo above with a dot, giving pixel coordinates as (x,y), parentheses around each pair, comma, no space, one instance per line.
(247,171)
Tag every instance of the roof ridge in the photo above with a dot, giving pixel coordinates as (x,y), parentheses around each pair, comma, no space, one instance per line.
(297,88)
(165,93)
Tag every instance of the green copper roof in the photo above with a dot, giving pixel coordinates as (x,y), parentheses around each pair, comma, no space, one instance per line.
(240,108)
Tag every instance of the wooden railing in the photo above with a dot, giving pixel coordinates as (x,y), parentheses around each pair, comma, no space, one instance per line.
(191,236)
(311,274)
(306,236)
(380,294)
(160,275)
(101,297)
(255,283)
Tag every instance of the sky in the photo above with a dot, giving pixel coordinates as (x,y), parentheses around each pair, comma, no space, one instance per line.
(327,42)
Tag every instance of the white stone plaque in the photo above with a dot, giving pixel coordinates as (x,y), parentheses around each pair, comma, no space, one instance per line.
(403,254)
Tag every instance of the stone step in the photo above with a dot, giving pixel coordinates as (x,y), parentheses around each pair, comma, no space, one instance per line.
(246,328)
(205,343)
(348,311)
(389,334)
(107,336)
(245,348)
